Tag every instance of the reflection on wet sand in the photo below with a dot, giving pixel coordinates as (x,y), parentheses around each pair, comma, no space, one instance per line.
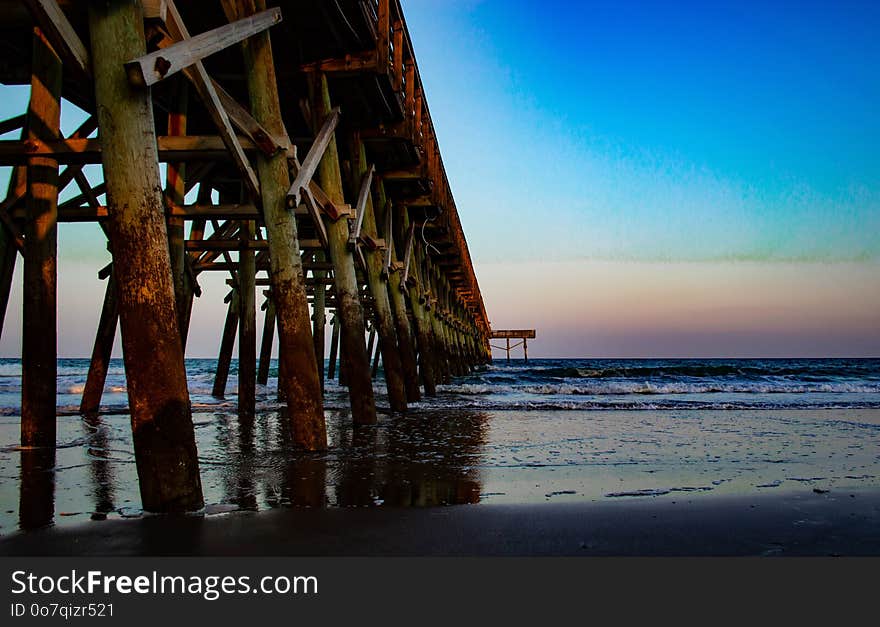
(404,461)
(100,468)
(36,505)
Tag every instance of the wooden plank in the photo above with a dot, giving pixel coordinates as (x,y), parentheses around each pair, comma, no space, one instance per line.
(349,64)
(513,334)
(156,66)
(88,150)
(313,158)
(60,33)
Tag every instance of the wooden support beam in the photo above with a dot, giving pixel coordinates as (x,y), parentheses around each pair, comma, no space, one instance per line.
(420,316)
(227,343)
(60,33)
(247,326)
(205,88)
(319,316)
(397,65)
(383,316)
(383,37)
(164,439)
(9,244)
(298,379)
(407,258)
(155,9)
(245,122)
(39,335)
(13,124)
(266,343)
(151,68)
(314,213)
(349,64)
(85,150)
(313,159)
(175,191)
(405,341)
(349,310)
(231,244)
(103,348)
(334,347)
(360,211)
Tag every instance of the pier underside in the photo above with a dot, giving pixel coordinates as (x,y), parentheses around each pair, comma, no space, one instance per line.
(301,162)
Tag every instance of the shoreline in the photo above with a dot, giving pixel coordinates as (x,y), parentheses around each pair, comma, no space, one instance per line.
(801,523)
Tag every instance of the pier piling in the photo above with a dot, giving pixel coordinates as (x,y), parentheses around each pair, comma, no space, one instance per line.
(38,353)
(161,419)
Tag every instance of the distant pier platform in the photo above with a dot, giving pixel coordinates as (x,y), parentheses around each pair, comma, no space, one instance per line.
(514,334)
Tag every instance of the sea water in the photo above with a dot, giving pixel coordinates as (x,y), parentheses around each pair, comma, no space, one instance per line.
(511,432)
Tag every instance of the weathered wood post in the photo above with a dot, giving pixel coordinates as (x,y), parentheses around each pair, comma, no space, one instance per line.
(348,304)
(227,343)
(100,364)
(8,251)
(298,379)
(247,323)
(319,316)
(334,347)
(266,343)
(420,315)
(526,350)
(405,344)
(39,341)
(161,417)
(383,324)
(508,350)
(175,190)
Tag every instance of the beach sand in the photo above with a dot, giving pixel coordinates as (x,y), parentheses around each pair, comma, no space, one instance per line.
(845,523)
(466,482)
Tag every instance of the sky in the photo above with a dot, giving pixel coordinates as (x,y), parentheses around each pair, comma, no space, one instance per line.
(635,179)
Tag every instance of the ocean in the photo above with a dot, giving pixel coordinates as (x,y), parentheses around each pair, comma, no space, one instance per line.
(511,432)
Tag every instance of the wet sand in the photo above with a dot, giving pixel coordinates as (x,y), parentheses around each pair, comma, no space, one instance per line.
(845,523)
(465,482)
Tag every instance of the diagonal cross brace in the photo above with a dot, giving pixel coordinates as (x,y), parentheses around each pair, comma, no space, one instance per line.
(313,159)
(363,195)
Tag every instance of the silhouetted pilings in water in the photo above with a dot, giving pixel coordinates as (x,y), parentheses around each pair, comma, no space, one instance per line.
(317,167)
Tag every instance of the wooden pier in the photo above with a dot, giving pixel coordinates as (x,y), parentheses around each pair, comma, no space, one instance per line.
(524,335)
(301,131)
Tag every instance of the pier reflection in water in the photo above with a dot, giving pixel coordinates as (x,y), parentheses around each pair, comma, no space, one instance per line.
(404,461)
(36,505)
(417,460)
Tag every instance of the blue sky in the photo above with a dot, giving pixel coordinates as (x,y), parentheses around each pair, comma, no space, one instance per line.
(658,131)
(634,178)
